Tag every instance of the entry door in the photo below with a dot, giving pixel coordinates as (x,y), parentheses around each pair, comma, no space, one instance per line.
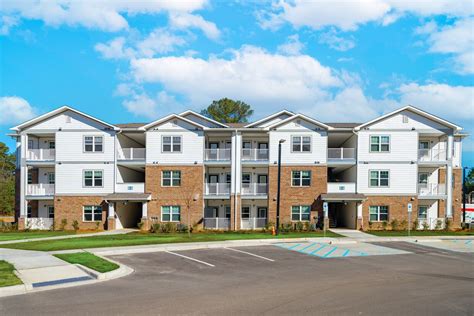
(263,151)
(246,150)
(262,212)
(213,150)
(211,212)
(424,149)
(262,181)
(213,180)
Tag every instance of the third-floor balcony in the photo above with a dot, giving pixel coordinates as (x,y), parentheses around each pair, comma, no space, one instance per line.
(217,189)
(40,189)
(217,154)
(254,154)
(255,189)
(131,154)
(431,189)
(341,154)
(41,154)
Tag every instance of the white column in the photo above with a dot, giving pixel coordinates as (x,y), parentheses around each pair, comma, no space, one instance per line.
(449,177)
(144,209)
(359,210)
(23,174)
(111,209)
(236,169)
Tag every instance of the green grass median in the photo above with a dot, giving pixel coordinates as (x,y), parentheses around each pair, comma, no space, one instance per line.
(7,277)
(89,260)
(135,239)
(404,233)
(15,235)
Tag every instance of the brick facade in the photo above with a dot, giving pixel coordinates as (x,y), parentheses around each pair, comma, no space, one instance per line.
(397,209)
(290,195)
(71,208)
(192,179)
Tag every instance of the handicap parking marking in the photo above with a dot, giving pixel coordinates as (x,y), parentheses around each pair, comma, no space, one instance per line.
(324,250)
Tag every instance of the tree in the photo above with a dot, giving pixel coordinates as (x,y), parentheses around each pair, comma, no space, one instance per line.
(228,111)
(7,180)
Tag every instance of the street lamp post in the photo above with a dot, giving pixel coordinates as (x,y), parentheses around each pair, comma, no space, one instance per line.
(278,187)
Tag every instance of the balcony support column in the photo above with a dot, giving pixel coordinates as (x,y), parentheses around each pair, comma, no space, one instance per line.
(23,174)
(449,177)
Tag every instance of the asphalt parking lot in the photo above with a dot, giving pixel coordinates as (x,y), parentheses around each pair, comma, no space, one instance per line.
(271,280)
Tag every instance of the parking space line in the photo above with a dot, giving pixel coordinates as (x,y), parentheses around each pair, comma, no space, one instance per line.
(345,253)
(189,258)
(250,254)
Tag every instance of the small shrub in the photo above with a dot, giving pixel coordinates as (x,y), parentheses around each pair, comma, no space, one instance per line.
(269,225)
(140,225)
(394,224)
(448,224)
(384,225)
(168,228)
(426,226)
(404,224)
(63,224)
(75,225)
(307,226)
(181,228)
(299,226)
(97,224)
(439,224)
(415,224)
(155,228)
(370,224)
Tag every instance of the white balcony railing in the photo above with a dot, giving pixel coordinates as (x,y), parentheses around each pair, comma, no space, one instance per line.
(217,188)
(130,187)
(254,154)
(39,223)
(217,154)
(341,187)
(253,223)
(40,189)
(131,153)
(431,155)
(40,154)
(216,223)
(431,189)
(341,153)
(254,189)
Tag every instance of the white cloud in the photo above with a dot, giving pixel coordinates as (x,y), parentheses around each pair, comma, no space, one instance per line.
(251,74)
(331,39)
(159,41)
(106,15)
(114,49)
(144,106)
(15,110)
(293,46)
(6,23)
(187,20)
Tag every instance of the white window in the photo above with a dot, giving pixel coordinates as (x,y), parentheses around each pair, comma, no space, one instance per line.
(423,180)
(52,145)
(380,144)
(171,144)
(93,178)
(51,178)
(50,211)
(262,212)
(422,211)
(245,212)
(93,144)
(301,178)
(92,213)
(30,177)
(246,178)
(171,178)
(29,211)
(379,178)
(170,213)
(300,213)
(301,144)
(378,213)
(227,212)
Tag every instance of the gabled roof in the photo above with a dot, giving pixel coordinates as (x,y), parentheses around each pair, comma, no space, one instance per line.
(413,110)
(266,118)
(56,112)
(169,117)
(303,117)
(203,117)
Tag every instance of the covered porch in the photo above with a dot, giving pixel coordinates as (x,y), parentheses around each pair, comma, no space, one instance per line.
(344,209)
(127,210)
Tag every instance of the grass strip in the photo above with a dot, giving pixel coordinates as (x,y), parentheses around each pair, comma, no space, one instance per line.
(15,235)
(7,277)
(404,233)
(89,260)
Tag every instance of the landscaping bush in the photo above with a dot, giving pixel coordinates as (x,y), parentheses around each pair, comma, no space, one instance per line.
(394,224)
(370,224)
(181,228)
(63,224)
(269,225)
(306,226)
(298,226)
(384,225)
(426,226)
(97,224)
(404,225)
(168,228)
(140,225)
(415,224)
(8,227)
(75,225)
(439,224)
(448,224)
(155,228)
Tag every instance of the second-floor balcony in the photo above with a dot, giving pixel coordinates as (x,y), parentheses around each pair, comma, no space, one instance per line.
(341,187)
(130,187)
(254,154)
(40,189)
(131,154)
(431,189)
(341,154)
(41,154)
(255,189)
(431,155)
(217,189)
(217,154)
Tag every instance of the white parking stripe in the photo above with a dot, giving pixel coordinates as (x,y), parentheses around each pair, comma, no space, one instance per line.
(251,254)
(189,258)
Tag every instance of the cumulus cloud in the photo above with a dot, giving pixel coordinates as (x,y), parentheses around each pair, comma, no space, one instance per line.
(6,23)
(143,105)
(336,42)
(187,20)
(292,46)
(115,49)
(15,110)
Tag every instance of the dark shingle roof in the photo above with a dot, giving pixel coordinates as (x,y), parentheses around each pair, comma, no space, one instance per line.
(236,125)
(130,125)
(343,125)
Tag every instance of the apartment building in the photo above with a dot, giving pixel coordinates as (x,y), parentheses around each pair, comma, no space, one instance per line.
(186,168)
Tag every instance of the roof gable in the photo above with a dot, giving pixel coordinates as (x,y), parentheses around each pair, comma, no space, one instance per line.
(276,117)
(201,119)
(300,117)
(168,118)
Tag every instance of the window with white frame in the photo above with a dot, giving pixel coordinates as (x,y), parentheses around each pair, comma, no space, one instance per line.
(227,212)
(423,179)
(246,178)
(92,213)
(30,177)
(300,213)
(29,211)
(422,212)
(52,145)
(301,178)
(301,143)
(93,144)
(50,211)
(51,178)
(378,213)
(379,178)
(245,212)
(171,144)
(93,178)
(171,213)
(379,143)
(171,178)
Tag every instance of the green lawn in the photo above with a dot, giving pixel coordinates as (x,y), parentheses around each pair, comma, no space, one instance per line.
(89,260)
(15,235)
(7,277)
(134,239)
(398,233)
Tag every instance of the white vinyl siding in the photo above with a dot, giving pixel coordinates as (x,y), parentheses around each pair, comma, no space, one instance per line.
(70,147)
(414,121)
(317,155)
(403,146)
(70,178)
(403,178)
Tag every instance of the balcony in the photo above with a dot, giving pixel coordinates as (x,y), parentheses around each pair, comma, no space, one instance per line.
(217,154)
(255,189)
(41,154)
(131,154)
(431,155)
(216,223)
(40,190)
(130,187)
(258,155)
(217,189)
(341,187)
(341,154)
(431,189)
(253,223)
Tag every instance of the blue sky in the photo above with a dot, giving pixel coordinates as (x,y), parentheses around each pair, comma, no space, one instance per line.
(126,61)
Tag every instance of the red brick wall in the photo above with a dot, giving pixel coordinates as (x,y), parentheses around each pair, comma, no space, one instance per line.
(71,208)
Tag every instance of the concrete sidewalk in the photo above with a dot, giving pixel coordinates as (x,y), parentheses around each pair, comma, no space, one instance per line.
(103,233)
(352,233)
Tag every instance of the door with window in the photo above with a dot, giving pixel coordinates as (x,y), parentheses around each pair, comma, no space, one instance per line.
(424,150)
(213,183)
(214,151)
(246,178)
(211,212)
(262,153)
(262,184)
(246,150)
(423,182)
(50,211)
